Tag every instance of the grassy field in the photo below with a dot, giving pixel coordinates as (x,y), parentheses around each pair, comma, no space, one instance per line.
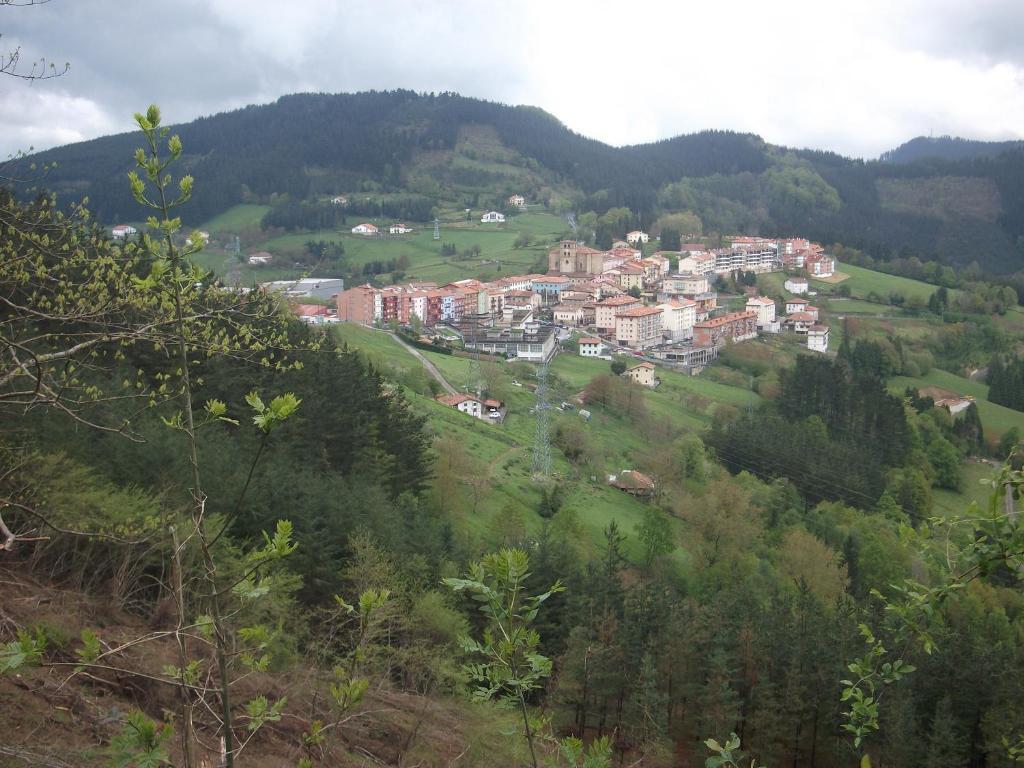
(498,255)
(235,219)
(504,453)
(996,419)
(865,281)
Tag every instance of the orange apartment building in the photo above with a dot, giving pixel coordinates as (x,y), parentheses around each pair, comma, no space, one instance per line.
(639,327)
(735,326)
(606,310)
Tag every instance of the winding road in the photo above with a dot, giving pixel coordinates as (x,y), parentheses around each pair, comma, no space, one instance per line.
(431,368)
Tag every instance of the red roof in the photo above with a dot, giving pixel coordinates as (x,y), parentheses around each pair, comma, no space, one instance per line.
(616,301)
(729,318)
(310,310)
(801,317)
(590,340)
(639,312)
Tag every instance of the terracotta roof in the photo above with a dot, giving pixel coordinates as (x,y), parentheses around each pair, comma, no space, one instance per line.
(630,479)
(590,340)
(732,317)
(797,301)
(819,328)
(454,400)
(801,317)
(639,312)
(644,364)
(762,300)
(616,301)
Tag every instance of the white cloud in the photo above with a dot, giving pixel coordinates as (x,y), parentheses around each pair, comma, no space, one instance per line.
(38,118)
(854,77)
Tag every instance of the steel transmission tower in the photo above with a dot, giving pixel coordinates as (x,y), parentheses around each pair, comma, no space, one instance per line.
(541,439)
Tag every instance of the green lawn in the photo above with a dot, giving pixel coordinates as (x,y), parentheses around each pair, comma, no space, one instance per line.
(863,281)
(235,219)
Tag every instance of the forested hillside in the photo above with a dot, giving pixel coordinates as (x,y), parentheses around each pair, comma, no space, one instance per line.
(228,538)
(312,146)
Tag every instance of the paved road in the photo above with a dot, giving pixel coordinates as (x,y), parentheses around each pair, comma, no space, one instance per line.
(431,368)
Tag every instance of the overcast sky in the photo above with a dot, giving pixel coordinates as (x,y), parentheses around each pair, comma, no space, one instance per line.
(856,77)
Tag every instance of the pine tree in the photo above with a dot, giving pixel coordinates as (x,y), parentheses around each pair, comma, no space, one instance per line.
(947,747)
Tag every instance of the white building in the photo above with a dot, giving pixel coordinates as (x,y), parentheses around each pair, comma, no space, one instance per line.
(259,259)
(339,200)
(365,229)
(697,263)
(492,217)
(121,231)
(796,285)
(677,318)
(399,229)
(765,309)
(517,201)
(591,347)
(636,236)
(465,403)
(796,305)
(817,338)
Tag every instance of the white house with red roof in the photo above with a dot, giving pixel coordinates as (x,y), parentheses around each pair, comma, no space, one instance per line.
(121,231)
(464,403)
(591,346)
(366,229)
(796,305)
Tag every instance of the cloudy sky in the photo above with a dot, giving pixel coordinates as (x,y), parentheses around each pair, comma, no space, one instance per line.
(856,77)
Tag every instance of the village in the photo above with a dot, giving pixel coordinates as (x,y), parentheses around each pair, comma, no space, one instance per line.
(662,309)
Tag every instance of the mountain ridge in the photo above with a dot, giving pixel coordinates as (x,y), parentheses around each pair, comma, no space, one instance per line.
(310,146)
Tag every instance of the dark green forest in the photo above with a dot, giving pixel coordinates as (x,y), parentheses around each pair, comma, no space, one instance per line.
(309,146)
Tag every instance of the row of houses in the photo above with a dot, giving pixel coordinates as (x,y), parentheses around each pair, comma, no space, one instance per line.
(370,230)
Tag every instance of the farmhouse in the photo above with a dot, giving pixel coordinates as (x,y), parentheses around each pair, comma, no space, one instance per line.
(636,236)
(399,229)
(366,229)
(517,201)
(465,403)
(492,217)
(260,258)
(121,231)
(944,398)
(642,373)
(632,482)
(591,347)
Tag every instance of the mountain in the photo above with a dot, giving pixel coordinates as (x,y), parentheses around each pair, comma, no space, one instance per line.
(448,149)
(947,148)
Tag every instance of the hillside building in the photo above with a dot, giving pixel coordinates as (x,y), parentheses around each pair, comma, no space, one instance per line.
(734,326)
(639,327)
